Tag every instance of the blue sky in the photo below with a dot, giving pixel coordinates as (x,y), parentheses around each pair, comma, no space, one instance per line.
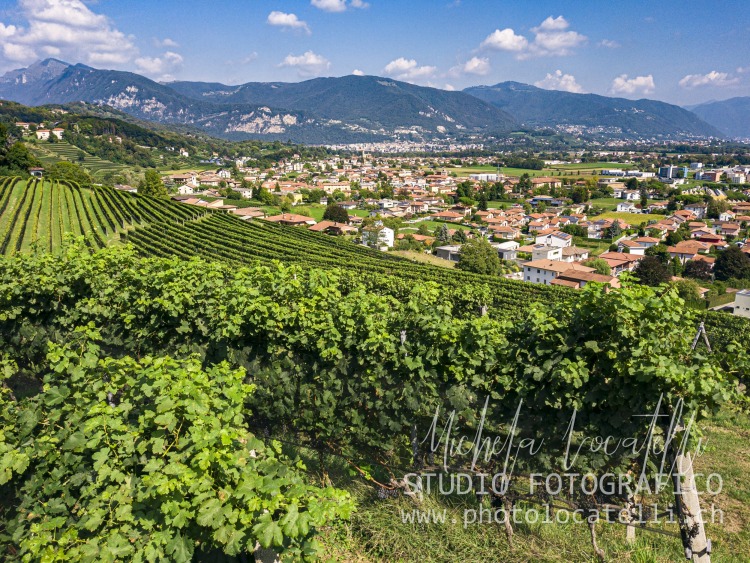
(681,52)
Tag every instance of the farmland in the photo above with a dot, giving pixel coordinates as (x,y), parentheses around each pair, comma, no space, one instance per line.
(579,169)
(309,314)
(50,153)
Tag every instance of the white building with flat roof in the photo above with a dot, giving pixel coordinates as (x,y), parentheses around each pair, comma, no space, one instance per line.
(742,303)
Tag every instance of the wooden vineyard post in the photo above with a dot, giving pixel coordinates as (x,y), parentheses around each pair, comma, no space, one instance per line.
(692,529)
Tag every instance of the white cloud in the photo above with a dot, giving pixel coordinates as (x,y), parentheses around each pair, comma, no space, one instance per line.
(166,42)
(505,40)
(284,20)
(743,69)
(408,70)
(609,44)
(552,39)
(307,64)
(475,65)
(67,28)
(357,72)
(559,81)
(551,24)
(160,67)
(636,85)
(713,78)
(338,5)
(330,5)
(449,87)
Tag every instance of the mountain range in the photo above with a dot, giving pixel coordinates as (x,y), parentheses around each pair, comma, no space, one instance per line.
(731,117)
(535,107)
(354,108)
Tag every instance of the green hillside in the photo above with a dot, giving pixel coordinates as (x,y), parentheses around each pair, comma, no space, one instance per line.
(50,153)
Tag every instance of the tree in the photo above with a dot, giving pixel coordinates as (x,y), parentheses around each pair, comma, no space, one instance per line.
(579,194)
(68,171)
(732,263)
(483,201)
(697,269)
(644,197)
(460,236)
(676,266)
(441,235)
(424,230)
(19,159)
(479,256)
(651,271)
(600,265)
(576,230)
(614,231)
(660,251)
(687,289)
(336,213)
(152,184)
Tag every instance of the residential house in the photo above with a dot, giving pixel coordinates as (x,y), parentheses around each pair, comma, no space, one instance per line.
(554,238)
(546,252)
(688,250)
(291,219)
(632,247)
(507,250)
(248,213)
(574,254)
(647,242)
(742,303)
(449,252)
(448,216)
(577,279)
(545,271)
(378,236)
(333,228)
(620,262)
(698,209)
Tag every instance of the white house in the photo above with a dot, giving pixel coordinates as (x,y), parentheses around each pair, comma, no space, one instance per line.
(42,134)
(377,236)
(545,252)
(627,207)
(185,189)
(742,303)
(555,238)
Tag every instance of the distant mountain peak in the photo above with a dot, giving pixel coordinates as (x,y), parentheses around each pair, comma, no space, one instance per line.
(40,71)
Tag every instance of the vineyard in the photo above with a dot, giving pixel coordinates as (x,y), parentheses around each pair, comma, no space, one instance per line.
(50,153)
(37,214)
(216,384)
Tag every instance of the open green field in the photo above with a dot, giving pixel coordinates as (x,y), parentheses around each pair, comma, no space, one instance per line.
(426,258)
(634,219)
(610,203)
(432,225)
(580,169)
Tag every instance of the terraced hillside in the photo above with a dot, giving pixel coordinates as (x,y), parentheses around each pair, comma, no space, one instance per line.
(35,215)
(50,153)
